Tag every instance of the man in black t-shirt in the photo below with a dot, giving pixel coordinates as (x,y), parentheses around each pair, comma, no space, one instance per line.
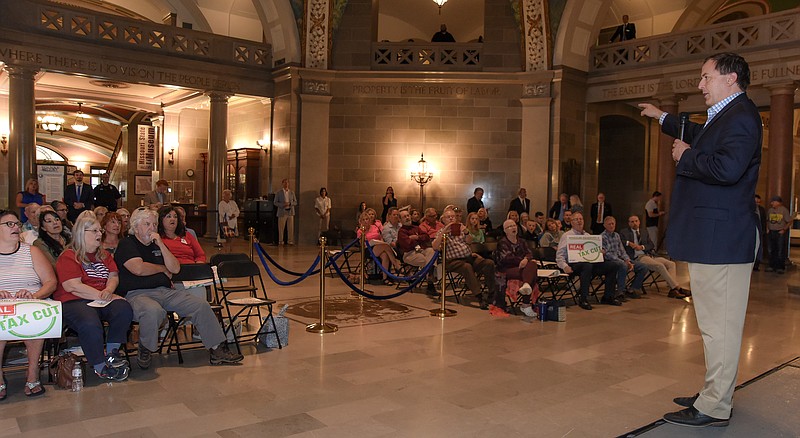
(146,267)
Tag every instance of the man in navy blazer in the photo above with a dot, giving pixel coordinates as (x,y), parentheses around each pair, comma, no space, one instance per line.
(78,196)
(713,225)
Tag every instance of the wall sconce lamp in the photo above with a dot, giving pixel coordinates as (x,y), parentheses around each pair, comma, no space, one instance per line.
(263,144)
(171,154)
(4,143)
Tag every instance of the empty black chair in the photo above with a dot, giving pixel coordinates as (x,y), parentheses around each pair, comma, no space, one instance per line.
(232,270)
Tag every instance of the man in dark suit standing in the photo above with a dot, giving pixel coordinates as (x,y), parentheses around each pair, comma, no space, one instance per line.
(599,211)
(713,225)
(521,204)
(625,31)
(559,207)
(78,196)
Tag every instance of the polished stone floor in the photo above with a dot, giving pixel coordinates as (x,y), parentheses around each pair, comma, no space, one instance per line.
(601,373)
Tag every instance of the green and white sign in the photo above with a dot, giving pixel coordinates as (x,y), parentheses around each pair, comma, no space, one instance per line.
(29,319)
(585,248)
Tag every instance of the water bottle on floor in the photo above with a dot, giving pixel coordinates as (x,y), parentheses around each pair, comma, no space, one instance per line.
(77,377)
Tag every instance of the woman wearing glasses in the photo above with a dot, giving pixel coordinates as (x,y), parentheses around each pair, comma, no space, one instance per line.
(87,279)
(25,273)
(52,238)
(61,209)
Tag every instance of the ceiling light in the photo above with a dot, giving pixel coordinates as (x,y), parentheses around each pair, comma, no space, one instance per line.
(51,123)
(80,124)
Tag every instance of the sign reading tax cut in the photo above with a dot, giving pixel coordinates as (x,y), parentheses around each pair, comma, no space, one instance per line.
(29,319)
(584,248)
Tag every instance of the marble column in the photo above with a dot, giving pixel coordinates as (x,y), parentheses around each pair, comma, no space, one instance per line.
(779,157)
(313,163)
(22,129)
(666,166)
(535,145)
(217,157)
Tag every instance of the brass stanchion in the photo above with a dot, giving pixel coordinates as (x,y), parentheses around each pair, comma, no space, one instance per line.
(322,327)
(443,312)
(252,232)
(363,276)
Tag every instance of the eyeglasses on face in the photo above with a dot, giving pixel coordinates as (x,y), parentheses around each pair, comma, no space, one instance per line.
(11,224)
(93,230)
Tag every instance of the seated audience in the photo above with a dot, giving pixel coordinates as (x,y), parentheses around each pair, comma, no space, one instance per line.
(61,209)
(173,233)
(552,234)
(100,212)
(512,216)
(566,224)
(25,273)
(531,232)
(182,216)
(475,231)
(391,227)
(584,270)
(52,240)
(485,222)
(112,231)
(30,229)
(430,223)
(372,229)
(416,217)
(614,252)
(87,274)
(514,259)
(146,266)
(461,259)
(641,249)
(124,216)
(415,246)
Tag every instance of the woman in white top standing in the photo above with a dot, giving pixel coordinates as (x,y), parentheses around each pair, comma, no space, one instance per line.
(228,212)
(25,273)
(322,205)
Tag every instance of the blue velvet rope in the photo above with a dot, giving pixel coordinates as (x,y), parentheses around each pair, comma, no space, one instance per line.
(373,296)
(281,268)
(309,272)
(421,272)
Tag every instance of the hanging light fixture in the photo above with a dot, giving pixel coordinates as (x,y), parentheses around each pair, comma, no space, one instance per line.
(80,124)
(51,123)
(440,3)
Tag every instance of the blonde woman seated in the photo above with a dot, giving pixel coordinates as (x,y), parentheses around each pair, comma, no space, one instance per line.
(552,235)
(112,231)
(100,212)
(381,249)
(87,274)
(474,228)
(25,273)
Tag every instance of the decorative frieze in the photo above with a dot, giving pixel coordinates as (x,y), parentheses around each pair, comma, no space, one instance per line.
(317,33)
(534,25)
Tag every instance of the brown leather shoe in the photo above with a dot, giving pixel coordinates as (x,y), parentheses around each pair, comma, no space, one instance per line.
(676,293)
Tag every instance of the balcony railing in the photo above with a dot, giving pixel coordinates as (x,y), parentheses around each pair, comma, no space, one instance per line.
(758,32)
(84,24)
(427,56)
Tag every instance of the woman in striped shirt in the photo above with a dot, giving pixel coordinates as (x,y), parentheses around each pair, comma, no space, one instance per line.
(25,273)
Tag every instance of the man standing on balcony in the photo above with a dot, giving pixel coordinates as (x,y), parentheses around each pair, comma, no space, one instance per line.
(713,225)
(443,36)
(625,31)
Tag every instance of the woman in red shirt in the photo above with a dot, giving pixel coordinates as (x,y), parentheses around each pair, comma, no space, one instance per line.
(87,279)
(173,233)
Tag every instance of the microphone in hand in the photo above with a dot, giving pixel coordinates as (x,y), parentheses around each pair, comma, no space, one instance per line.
(684,117)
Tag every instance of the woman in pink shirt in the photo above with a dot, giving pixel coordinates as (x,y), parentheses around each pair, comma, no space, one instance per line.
(381,249)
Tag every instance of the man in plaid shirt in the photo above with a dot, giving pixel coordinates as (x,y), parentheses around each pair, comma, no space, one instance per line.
(461,259)
(614,252)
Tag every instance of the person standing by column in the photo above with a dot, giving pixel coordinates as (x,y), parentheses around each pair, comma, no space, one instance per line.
(285,201)
(228,216)
(322,206)
(651,216)
(713,225)
(779,222)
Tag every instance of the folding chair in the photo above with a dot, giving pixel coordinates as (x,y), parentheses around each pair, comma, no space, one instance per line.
(238,270)
(347,236)
(189,272)
(216,259)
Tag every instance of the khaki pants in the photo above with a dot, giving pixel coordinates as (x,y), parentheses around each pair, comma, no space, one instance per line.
(283,222)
